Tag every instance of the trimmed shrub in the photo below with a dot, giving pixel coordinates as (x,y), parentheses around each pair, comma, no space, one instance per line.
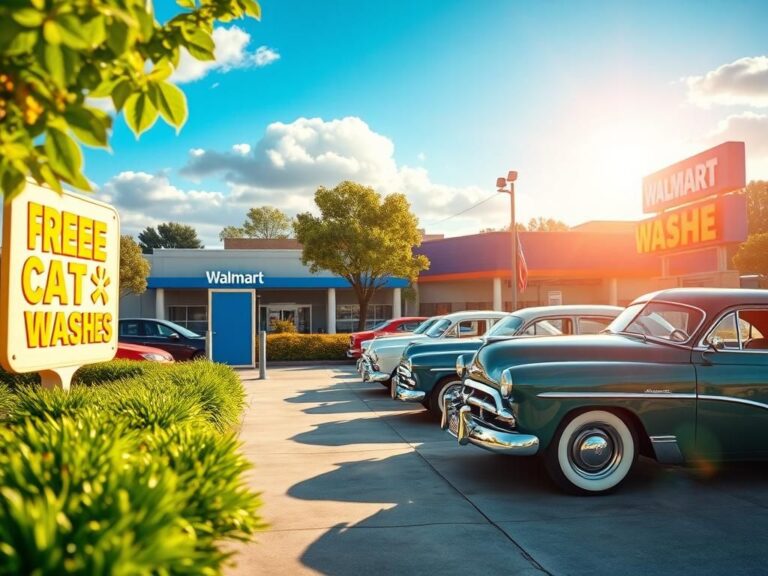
(138,475)
(90,496)
(283,327)
(306,346)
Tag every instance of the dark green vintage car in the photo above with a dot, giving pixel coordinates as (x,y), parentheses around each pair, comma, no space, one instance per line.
(427,370)
(680,376)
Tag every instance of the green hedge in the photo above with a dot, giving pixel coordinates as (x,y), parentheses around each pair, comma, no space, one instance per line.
(306,346)
(135,471)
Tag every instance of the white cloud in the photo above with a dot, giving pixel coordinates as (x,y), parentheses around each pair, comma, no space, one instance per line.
(196,152)
(231,52)
(742,82)
(292,160)
(752,129)
(421,157)
(241,149)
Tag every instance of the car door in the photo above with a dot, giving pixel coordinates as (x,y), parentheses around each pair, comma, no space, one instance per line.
(161,336)
(550,326)
(131,331)
(732,386)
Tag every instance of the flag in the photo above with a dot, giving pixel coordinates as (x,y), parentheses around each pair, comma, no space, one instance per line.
(522,267)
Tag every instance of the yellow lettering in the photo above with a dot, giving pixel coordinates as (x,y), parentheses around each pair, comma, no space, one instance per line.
(643,237)
(99,240)
(89,328)
(34,224)
(107,327)
(85,237)
(673,230)
(75,323)
(78,272)
(708,225)
(658,236)
(60,332)
(38,328)
(55,287)
(32,294)
(69,234)
(51,230)
(689,227)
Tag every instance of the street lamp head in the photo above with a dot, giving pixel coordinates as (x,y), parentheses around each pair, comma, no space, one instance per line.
(501,183)
(512,176)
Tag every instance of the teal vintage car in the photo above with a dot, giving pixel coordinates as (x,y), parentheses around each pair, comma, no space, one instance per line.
(427,370)
(680,376)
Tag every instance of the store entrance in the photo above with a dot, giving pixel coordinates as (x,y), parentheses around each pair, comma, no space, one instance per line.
(299,314)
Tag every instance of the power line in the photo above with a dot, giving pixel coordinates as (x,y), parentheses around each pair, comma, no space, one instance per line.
(475,205)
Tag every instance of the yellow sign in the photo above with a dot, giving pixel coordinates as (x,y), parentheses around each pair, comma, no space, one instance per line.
(682,228)
(59,281)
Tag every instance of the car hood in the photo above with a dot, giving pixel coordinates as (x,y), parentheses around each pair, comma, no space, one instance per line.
(432,346)
(495,356)
(395,341)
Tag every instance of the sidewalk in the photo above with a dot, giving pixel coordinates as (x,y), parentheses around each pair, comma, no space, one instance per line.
(345,490)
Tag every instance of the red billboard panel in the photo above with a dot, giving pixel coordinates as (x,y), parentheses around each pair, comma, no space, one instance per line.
(715,171)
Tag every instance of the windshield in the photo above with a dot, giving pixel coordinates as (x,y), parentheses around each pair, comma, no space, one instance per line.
(381,325)
(663,320)
(438,328)
(424,326)
(181,330)
(507,326)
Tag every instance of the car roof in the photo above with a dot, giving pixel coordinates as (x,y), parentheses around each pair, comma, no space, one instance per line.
(471,314)
(568,310)
(711,300)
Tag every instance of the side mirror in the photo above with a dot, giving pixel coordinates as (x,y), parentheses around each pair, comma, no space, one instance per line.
(174,336)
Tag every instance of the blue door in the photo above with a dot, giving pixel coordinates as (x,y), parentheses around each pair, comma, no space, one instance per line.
(232,327)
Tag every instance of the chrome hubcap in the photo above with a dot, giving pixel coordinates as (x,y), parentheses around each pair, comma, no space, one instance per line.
(595,452)
(450,392)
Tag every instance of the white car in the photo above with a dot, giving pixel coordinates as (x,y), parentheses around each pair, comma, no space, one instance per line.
(380,359)
(364,362)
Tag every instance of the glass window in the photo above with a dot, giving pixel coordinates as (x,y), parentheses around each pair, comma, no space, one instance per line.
(741,330)
(663,320)
(550,327)
(437,329)
(194,318)
(130,328)
(593,324)
(725,335)
(348,316)
(507,326)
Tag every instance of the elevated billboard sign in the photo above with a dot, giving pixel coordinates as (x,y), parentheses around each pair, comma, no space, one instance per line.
(59,283)
(715,171)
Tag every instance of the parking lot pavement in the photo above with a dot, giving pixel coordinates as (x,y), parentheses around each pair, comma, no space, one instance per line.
(354,482)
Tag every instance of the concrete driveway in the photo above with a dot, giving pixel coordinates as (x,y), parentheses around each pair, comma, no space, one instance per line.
(354,483)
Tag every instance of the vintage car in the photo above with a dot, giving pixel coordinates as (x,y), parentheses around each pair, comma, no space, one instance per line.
(364,362)
(427,370)
(383,355)
(399,326)
(681,376)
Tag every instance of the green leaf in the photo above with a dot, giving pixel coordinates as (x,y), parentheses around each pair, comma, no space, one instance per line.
(120,93)
(72,33)
(28,17)
(16,40)
(44,174)
(140,113)
(186,4)
(11,180)
(52,33)
(54,62)
(63,154)
(199,43)
(161,71)
(94,30)
(172,104)
(252,8)
(89,128)
(119,37)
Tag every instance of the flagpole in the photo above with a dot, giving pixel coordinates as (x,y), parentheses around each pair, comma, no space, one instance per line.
(501,184)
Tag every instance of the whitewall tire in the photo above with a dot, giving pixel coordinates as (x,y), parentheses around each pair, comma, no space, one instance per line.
(592,452)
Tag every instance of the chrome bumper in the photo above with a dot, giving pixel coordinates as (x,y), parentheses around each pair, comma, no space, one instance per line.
(374,376)
(458,420)
(400,392)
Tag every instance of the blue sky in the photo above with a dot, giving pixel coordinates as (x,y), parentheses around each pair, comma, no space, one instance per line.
(436,99)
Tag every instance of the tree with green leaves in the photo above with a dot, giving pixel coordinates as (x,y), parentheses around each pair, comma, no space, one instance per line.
(134,268)
(539,224)
(169,235)
(263,222)
(752,257)
(757,206)
(361,237)
(56,55)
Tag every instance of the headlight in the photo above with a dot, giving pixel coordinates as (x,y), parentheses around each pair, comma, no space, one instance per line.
(374,357)
(407,363)
(506,383)
(461,367)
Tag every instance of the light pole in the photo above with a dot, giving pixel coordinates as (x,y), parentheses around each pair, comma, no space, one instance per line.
(501,185)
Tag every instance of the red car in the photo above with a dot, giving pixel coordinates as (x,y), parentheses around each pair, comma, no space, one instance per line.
(127,351)
(393,326)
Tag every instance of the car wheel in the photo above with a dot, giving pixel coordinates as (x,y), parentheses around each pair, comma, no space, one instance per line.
(445,386)
(199,355)
(592,452)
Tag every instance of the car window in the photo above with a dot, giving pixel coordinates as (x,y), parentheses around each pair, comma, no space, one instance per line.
(409,326)
(741,331)
(662,320)
(130,328)
(593,324)
(507,326)
(550,327)
(164,330)
(437,329)
(424,326)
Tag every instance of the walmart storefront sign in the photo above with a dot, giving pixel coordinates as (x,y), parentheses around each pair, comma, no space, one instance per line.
(59,283)
(219,277)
